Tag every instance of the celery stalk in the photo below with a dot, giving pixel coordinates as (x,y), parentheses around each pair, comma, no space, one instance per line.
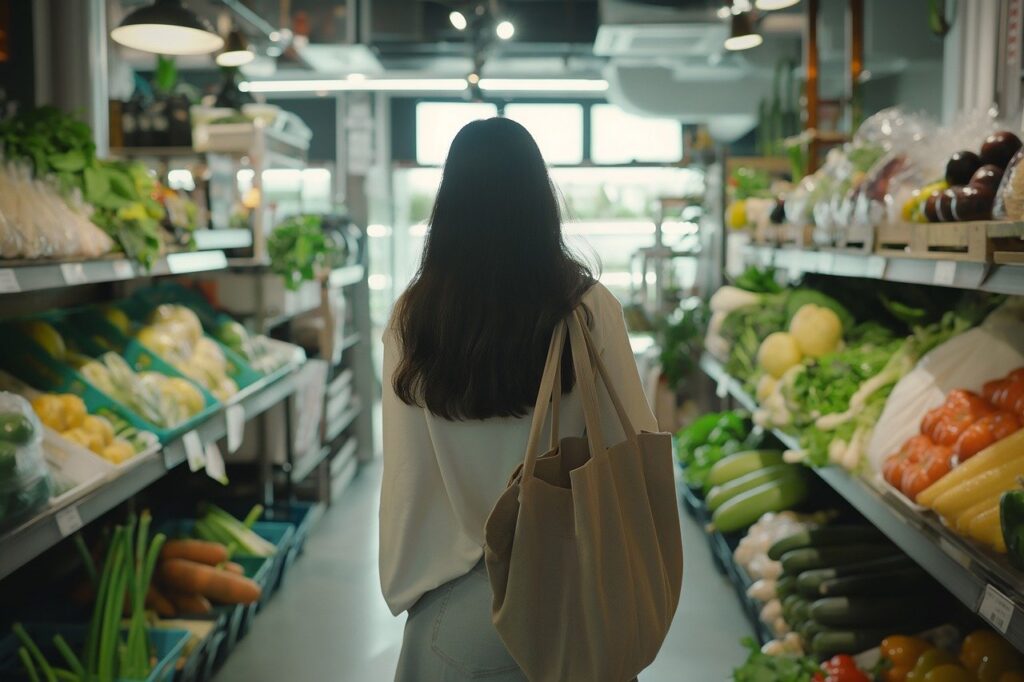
(26,662)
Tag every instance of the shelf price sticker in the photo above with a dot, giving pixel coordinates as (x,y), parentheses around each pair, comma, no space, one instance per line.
(68,520)
(215,468)
(195,455)
(73,273)
(234,415)
(945,273)
(996,608)
(8,282)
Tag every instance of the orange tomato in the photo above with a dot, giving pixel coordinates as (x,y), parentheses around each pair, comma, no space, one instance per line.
(901,650)
(992,388)
(938,462)
(984,433)
(915,480)
(1010,395)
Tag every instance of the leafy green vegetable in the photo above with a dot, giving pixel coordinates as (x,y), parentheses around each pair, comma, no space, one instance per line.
(299,248)
(682,337)
(761,667)
(758,280)
(710,438)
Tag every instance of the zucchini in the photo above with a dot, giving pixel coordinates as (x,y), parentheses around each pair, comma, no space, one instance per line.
(743,510)
(788,604)
(808,583)
(799,560)
(722,493)
(785,586)
(861,612)
(827,536)
(904,581)
(741,463)
(827,642)
(809,629)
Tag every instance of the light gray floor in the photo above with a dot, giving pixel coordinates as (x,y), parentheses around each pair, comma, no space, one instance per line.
(330,624)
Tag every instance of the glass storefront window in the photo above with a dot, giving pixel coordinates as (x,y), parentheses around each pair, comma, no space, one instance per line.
(437,123)
(558,129)
(617,136)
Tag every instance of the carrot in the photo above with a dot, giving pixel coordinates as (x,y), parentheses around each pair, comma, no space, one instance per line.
(220,586)
(232,567)
(201,551)
(159,603)
(190,604)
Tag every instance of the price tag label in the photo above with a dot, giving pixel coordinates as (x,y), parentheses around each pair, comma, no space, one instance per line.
(73,273)
(235,418)
(123,269)
(8,282)
(194,453)
(875,268)
(215,468)
(945,273)
(996,608)
(68,520)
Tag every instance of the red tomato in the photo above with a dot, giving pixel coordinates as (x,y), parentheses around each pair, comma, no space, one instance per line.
(1016,375)
(984,433)
(915,448)
(992,388)
(938,462)
(893,468)
(931,420)
(1010,395)
(915,480)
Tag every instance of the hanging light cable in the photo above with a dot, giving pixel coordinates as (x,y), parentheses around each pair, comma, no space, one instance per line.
(167,27)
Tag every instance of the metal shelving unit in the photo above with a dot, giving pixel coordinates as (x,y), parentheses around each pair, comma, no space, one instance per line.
(994,278)
(984,582)
(27,541)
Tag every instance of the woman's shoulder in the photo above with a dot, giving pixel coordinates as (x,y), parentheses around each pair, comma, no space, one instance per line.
(599,300)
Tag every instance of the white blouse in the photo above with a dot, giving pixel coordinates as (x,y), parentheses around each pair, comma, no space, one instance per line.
(441,477)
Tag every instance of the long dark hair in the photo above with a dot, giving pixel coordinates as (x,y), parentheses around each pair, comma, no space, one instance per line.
(495,278)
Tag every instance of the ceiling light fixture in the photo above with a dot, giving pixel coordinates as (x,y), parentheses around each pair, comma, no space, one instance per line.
(236,50)
(167,27)
(505,29)
(742,35)
(458,20)
(544,84)
(769,5)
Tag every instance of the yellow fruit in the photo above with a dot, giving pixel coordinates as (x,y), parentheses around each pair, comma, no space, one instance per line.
(737,215)
(185,393)
(157,340)
(765,387)
(778,352)
(225,389)
(209,350)
(117,318)
(816,329)
(988,485)
(99,426)
(87,440)
(1002,452)
(118,451)
(48,408)
(74,410)
(48,338)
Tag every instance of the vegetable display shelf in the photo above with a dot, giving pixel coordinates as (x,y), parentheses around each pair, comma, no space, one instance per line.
(985,583)
(23,543)
(22,276)
(994,278)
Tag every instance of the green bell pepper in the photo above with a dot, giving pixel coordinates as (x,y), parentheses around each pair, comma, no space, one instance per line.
(1011,514)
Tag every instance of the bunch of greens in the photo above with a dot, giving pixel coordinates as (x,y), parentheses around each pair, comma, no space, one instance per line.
(750,182)
(682,337)
(758,280)
(299,249)
(711,438)
(760,667)
(121,193)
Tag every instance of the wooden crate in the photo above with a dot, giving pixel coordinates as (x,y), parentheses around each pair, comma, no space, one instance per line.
(978,242)
(857,239)
(786,235)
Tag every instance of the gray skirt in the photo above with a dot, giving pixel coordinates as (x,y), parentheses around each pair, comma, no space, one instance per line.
(449,636)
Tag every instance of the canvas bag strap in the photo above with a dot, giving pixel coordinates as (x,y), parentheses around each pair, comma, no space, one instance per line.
(602,370)
(545,395)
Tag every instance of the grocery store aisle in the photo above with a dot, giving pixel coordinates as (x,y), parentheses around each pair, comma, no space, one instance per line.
(329,622)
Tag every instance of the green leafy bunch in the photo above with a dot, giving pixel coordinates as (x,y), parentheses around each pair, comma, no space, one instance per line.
(299,248)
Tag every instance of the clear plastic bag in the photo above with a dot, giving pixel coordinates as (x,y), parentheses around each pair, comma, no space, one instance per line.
(1010,196)
(25,483)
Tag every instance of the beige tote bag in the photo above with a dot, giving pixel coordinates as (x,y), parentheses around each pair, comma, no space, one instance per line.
(583,548)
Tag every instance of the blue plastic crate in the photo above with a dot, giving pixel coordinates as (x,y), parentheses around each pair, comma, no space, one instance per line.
(280,535)
(167,645)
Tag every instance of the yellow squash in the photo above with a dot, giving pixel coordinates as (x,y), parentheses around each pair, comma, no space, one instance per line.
(989,484)
(991,457)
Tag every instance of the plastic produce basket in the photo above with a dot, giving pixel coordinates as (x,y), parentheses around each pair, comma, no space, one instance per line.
(302,516)
(281,535)
(166,644)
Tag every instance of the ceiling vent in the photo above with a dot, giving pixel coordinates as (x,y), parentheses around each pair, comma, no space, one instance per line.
(660,40)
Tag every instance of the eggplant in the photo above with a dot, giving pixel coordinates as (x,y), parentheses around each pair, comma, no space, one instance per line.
(961,167)
(988,175)
(999,148)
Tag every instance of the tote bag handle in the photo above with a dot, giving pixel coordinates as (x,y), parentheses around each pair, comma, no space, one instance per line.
(549,391)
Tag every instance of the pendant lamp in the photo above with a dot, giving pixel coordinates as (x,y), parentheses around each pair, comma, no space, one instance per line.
(167,27)
(742,35)
(236,50)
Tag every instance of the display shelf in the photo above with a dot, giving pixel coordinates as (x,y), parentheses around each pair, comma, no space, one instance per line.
(994,278)
(233,238)
(344,421)
(23,543)
(985,583)
(36,276)
(345,276)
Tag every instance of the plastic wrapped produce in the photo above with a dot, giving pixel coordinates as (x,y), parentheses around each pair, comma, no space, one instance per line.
(25,483)
(1010,197)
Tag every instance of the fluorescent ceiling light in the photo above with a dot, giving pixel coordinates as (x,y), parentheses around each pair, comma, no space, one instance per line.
(458,20)
(427,85)
(768,5)
(544,84)
(382,84)
(505,29)
(167,27)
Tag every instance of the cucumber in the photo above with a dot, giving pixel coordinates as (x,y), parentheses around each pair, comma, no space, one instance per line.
(826,537)
(742,511)
(883,565)
(809,629)
(788,604)
(741,463)
(799,560)
(785,586)
(808,583)
(827,642)
(904,581)
(801,612)
(722,493)
(862,612)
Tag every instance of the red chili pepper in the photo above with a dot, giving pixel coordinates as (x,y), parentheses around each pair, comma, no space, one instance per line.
(842,668)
